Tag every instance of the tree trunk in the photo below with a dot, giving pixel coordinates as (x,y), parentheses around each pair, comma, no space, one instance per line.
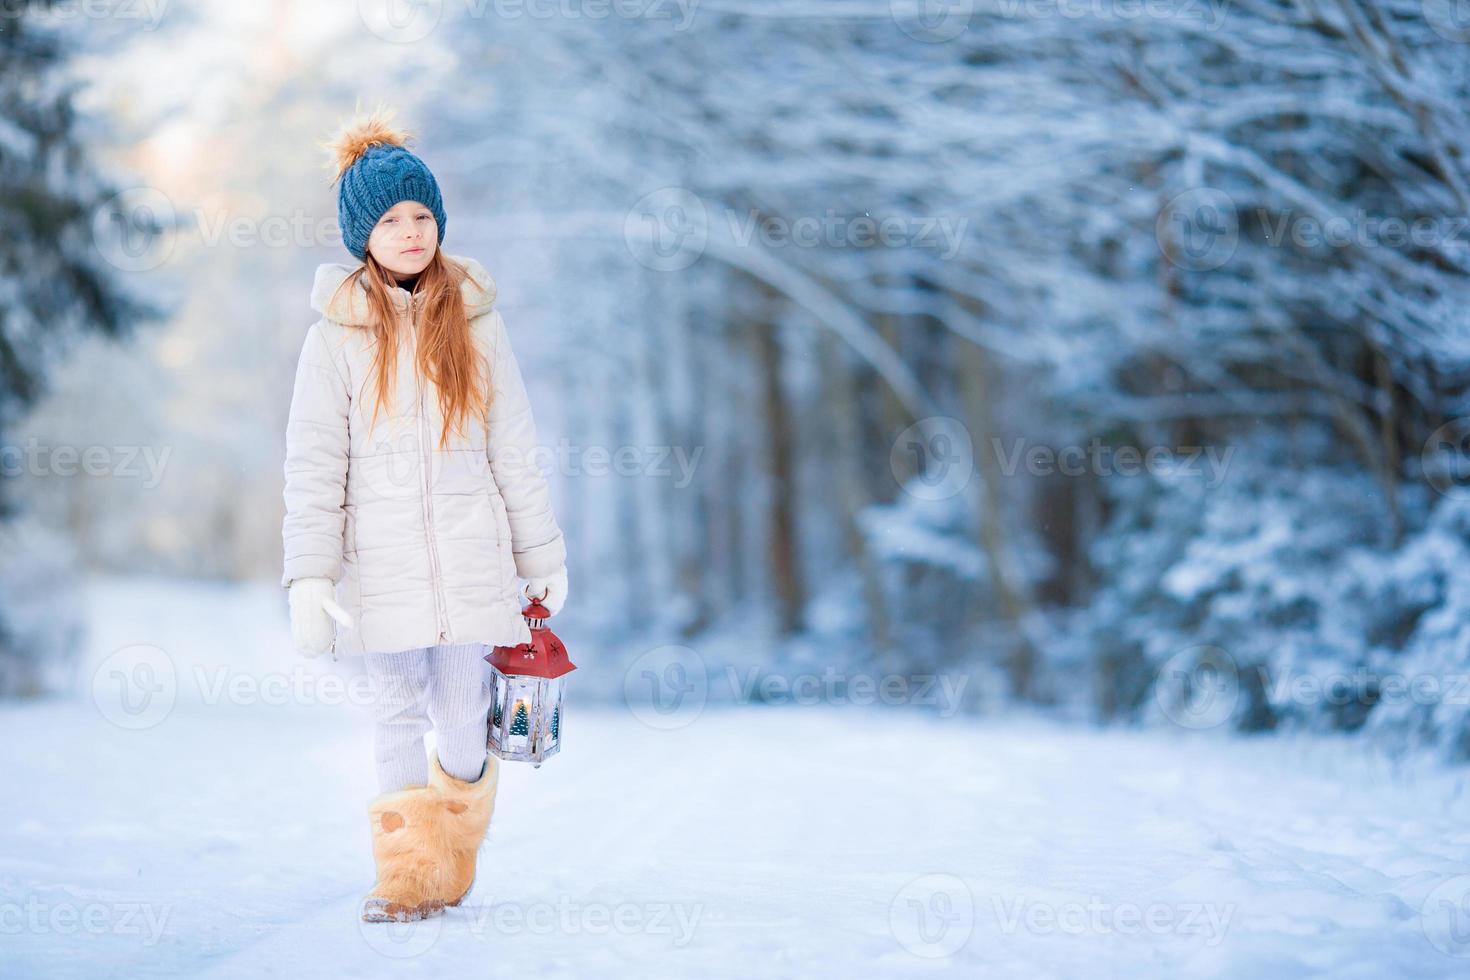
(851,485)
(781,546)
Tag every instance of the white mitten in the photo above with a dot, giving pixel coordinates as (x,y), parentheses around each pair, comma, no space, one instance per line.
(552,589)
(312,629)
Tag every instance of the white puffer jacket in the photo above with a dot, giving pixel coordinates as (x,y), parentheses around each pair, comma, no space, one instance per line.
(424,544)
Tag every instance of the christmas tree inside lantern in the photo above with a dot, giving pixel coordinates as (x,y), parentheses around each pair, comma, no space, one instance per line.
(527,685)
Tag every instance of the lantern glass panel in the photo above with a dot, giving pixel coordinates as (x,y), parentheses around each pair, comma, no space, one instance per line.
(525,723)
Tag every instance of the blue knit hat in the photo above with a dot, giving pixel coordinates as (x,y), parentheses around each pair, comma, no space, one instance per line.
(377,171)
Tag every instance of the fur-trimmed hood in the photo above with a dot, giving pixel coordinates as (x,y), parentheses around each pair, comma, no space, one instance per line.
(350,307)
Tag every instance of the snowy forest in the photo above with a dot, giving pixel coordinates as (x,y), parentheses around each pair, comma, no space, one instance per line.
(1073,396)
(1105,358)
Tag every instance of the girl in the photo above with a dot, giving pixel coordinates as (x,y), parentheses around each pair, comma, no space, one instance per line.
(418,522)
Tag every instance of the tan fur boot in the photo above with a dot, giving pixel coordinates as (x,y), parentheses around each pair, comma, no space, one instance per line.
(410,850)
(466,815)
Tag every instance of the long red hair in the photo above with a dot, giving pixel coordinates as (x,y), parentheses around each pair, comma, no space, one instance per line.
(446,352)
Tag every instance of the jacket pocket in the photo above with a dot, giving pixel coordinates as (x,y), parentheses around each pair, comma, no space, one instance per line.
(504,560)
(349,529)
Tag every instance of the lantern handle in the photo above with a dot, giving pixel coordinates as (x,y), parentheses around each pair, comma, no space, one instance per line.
(527,593)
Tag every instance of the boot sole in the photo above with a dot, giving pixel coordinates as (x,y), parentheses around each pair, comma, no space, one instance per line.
(382,910)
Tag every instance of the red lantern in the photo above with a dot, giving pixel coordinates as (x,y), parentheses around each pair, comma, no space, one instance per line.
(527,691)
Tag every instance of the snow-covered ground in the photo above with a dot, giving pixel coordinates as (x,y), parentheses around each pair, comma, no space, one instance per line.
(202,813)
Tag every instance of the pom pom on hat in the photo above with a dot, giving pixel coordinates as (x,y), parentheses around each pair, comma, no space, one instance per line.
(371,160)
(357,135)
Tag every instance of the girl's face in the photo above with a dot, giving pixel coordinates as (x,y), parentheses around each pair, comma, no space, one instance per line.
(405,238)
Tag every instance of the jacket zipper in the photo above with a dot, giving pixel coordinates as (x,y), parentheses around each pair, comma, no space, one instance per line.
(441,616)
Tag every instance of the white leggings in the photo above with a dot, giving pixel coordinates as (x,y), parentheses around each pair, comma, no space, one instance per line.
(446,687)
